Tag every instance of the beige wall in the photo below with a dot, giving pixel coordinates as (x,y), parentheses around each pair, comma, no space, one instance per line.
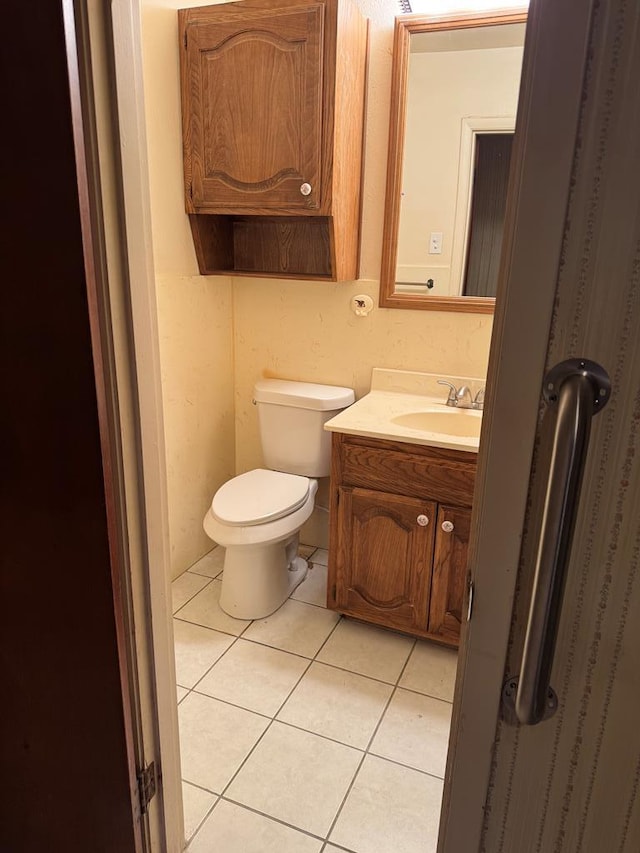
(306,330)
(195,313)
(218,337)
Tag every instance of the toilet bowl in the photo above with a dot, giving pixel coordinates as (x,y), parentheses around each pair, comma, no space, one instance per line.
(257,516)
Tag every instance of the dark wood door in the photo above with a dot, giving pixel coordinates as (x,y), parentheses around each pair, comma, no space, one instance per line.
(65,773)
(488,206)
(569,286)
(384,558)
(449,572)
(252,108)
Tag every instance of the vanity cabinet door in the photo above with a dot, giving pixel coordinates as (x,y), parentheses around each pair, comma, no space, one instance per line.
(383,559)
(253,108)
(449,572)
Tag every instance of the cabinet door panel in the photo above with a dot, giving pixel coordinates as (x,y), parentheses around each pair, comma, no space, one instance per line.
(384,558)
(255,111)
(449,572)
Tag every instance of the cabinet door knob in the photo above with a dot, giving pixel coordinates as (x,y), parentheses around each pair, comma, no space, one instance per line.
(422,520)
(447,526)
(305,189)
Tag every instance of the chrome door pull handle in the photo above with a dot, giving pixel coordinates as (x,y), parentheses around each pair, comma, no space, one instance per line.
(575,390)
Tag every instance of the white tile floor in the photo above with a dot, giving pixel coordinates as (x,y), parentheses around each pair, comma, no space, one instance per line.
(306,732)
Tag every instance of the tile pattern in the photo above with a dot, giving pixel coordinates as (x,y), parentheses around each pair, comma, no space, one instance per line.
(370,651)
(204,609)
(196,804)
(196,650)
(339,705)
(210,565)
(306,732)
(431,670)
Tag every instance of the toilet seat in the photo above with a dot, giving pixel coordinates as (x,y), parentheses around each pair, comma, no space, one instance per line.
(259,496)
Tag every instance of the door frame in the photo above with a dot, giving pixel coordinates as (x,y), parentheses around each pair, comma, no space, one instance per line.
(113,78)
(548,112)
(557,36)
(472,127)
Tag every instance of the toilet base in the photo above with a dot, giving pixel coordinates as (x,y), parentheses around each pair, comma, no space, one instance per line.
(258,579)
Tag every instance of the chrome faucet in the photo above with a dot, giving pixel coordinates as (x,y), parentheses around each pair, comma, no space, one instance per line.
(461,397)
(453,391)
(464,400)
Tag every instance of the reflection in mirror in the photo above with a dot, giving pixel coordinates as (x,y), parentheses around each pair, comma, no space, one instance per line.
(453,116)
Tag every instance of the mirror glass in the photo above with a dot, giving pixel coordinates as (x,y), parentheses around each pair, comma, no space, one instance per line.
(453,117)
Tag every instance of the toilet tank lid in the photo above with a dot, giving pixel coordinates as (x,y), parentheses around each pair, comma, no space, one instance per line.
(303,395)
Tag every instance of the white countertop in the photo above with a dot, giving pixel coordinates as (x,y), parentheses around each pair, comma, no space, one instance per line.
(400,394)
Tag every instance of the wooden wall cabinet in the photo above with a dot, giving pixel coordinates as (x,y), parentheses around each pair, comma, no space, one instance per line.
(273,100)
(400,521)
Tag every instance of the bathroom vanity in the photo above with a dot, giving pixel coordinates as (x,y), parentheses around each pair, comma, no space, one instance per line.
(402,485)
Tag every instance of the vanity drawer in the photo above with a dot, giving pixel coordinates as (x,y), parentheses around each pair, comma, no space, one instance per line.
(447,476)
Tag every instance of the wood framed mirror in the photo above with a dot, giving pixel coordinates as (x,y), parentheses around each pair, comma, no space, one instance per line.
(455,84)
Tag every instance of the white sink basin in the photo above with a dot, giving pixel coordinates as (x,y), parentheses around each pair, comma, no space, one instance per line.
(459,422)
(411,407)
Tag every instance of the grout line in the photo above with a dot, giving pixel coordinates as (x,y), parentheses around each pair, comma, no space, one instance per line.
(304,657)
(290,693)
(200,559)
(367,751)
(427,695)
(251,751)
(200,787)
(233,704)
(184,603)
(364,750)
(326,639)
(198,575)
(188,689)
(411,651)
(204,819)
(338,847)
(370,742)
(355,672)
(267,646)
(317,734)
(310,603)
(246,758)
(346,795)
(219,630)
(274,819)
(406,766)
(204,675)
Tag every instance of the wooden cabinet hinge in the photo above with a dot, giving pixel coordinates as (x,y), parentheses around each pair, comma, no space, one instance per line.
(146,786)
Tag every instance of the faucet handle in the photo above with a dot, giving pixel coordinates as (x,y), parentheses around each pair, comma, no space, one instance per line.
(453,392)
(463,398)
(478,402)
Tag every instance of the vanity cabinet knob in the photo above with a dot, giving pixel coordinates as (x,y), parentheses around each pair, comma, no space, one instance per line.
(447,526)
(422,520)
(305,189)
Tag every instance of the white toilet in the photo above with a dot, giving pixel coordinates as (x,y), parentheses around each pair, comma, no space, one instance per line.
(257,516)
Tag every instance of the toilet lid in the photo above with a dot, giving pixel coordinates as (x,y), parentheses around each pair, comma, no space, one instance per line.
(259,496)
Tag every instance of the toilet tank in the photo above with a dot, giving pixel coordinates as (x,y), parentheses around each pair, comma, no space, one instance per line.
(291,416)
